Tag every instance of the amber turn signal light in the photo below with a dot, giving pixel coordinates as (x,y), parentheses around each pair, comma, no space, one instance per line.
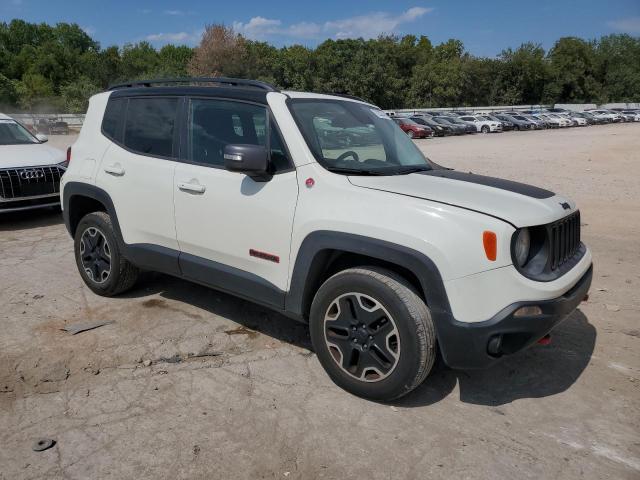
(490,242)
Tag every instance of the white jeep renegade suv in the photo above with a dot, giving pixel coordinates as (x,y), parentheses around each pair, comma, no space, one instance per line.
(320,207)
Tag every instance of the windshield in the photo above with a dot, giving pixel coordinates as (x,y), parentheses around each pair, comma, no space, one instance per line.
(12,133)
(355,138)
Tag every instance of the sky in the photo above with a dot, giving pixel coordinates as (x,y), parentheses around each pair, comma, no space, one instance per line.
(485,27)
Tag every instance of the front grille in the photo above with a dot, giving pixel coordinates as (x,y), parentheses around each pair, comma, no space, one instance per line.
(564,239)
(20,183)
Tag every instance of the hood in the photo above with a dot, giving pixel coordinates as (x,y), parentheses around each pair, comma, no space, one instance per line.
(31,155)
(516,203)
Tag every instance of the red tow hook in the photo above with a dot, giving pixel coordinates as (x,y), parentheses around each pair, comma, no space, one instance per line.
(546,340)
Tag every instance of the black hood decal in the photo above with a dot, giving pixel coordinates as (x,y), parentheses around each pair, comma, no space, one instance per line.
(515,187)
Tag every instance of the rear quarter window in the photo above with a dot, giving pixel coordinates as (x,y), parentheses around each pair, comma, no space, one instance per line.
(150,125)
(113,117)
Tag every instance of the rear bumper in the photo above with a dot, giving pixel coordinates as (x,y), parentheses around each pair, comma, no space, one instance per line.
(467,345)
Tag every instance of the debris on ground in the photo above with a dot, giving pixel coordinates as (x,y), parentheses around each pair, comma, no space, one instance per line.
(76,328)
(612,308)
(242,331)
(43,444)
(178,358)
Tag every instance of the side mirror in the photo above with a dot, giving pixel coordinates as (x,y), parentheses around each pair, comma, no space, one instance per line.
(252,160)
(42,137)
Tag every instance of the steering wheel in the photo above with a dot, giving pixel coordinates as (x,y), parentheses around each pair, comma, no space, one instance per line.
(348,153)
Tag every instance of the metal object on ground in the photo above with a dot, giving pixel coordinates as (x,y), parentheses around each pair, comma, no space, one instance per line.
(83,327)
(43,444)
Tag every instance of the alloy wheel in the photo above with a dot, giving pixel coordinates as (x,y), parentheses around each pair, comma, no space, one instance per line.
(362,337)
(95,254)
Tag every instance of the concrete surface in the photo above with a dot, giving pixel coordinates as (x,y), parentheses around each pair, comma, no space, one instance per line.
(129,399)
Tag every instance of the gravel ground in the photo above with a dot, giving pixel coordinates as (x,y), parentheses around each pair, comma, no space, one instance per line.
(191,383)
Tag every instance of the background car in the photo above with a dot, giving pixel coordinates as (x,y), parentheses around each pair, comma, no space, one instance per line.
(518,123)
(413,129)
(634,114)
(561,119)
(482,124)
(30,171)
(610,117)
(455,128)
(438,129)
(540,123)
(468,127)
(550,121)
(506,125)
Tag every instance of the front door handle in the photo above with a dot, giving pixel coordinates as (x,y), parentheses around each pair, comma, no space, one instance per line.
(192,187)
(115,169)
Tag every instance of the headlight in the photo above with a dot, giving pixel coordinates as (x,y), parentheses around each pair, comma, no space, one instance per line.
(522,246)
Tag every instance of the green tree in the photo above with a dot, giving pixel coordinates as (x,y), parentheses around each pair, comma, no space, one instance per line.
(77,93)
(33,89)
(572,72)
(618,67)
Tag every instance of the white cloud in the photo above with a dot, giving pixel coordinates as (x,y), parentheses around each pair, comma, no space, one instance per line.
(174,13)
(190,38)
(367,26)
(627,25)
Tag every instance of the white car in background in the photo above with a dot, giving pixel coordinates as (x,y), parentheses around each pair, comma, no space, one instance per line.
(552,122)
(482,124)
(607,115)
(577,121)
(564,121)
(635,114)
(30,171)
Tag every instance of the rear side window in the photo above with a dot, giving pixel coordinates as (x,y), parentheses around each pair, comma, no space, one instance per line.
(150,125)
(113,116)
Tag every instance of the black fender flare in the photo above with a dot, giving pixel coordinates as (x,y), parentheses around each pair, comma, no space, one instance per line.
(148,256)
(72,189)
(310,254)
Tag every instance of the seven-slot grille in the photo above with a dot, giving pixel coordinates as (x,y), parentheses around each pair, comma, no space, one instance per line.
(564,239)
(20,183)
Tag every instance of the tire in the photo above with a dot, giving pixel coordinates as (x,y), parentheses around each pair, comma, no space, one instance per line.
(485,129)
(389,357)
(411,134)
(516,128)
(103,268)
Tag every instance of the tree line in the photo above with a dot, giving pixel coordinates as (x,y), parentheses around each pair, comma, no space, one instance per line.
(57,68)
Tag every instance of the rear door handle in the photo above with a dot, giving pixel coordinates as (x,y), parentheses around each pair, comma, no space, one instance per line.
(116,170)
(192,187)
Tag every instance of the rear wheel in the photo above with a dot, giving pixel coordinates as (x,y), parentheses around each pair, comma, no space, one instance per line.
(372,333)
(98,257)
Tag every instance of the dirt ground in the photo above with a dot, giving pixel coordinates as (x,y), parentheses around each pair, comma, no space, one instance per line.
(191,383)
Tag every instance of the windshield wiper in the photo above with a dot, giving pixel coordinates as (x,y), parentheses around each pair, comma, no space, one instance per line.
(357,171)
(418,168)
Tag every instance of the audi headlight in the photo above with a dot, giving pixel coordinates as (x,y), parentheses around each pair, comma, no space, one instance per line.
(522,246)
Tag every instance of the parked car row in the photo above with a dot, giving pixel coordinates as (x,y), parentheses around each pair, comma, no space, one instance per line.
(424,124)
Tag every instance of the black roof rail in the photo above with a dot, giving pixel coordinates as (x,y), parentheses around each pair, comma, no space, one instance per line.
(234,82)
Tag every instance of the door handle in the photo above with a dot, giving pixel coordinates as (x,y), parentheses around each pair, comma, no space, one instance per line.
(192,187)
(116,170)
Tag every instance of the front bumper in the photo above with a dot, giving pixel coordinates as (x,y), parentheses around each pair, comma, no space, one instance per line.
(29,203)
(467,345)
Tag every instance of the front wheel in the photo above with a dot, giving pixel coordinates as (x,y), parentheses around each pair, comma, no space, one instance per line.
(485,129)
(372,333)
